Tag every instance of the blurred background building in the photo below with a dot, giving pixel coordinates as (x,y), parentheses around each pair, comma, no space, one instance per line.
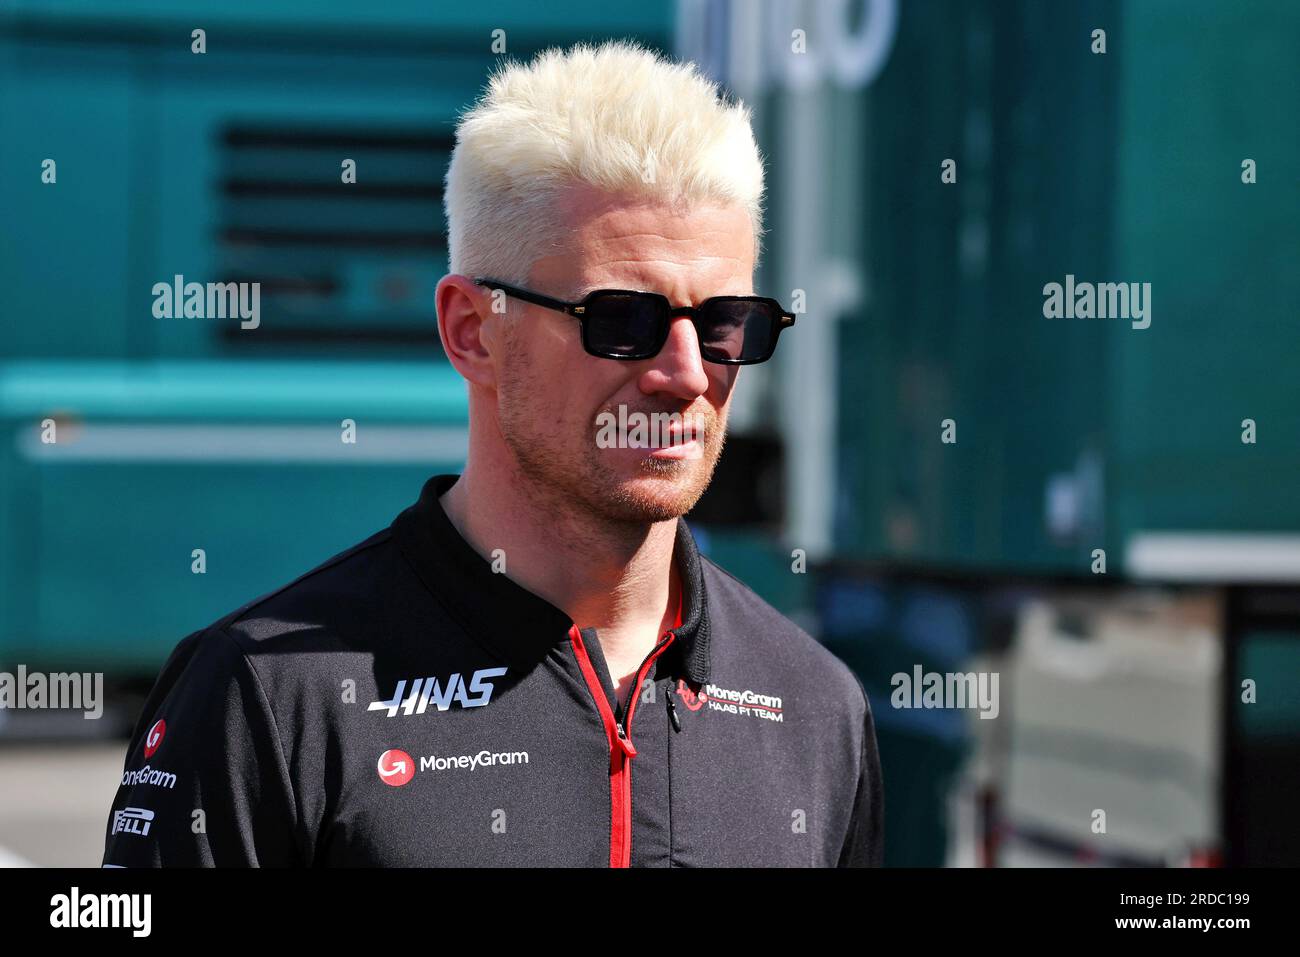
(923,302)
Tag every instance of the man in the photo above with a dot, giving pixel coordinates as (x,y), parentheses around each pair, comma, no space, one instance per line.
(534,665)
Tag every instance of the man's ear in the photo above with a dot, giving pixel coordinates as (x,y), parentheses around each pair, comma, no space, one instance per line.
(468,324)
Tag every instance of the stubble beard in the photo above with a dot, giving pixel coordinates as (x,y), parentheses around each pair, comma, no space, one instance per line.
(578,474)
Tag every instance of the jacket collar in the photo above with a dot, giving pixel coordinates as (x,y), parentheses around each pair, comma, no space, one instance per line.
(512,622)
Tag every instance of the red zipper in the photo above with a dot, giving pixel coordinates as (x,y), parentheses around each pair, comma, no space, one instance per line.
(621,750)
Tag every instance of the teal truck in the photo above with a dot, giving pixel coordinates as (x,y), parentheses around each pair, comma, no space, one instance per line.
(158,469)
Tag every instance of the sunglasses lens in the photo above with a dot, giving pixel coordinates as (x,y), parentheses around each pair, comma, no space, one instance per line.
(628,327)
(734,330)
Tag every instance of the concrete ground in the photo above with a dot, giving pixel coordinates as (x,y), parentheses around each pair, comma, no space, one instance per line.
(54,801)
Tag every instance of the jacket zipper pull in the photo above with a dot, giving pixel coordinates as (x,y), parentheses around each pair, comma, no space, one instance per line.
(624,741)
(672,710)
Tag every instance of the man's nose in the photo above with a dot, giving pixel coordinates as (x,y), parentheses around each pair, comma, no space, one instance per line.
(678,369)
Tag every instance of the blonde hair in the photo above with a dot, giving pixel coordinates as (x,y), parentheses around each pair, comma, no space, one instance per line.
(615,116)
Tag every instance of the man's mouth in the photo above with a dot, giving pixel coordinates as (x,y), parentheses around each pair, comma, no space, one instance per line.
(660,435)
(669,440)
(676,446)
(691,449)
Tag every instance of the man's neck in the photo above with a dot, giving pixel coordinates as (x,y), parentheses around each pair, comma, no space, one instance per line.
(619,579)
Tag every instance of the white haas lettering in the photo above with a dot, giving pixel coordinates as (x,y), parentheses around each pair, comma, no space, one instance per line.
(425,690)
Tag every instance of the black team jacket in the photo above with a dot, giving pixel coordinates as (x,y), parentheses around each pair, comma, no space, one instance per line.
(405,705)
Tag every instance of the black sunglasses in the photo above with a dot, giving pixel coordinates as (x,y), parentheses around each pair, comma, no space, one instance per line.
(623,324)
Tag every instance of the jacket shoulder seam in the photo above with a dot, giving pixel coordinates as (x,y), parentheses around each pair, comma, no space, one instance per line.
(374,541)
(282,764)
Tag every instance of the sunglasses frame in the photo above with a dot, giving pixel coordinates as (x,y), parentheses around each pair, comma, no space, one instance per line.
(578,310)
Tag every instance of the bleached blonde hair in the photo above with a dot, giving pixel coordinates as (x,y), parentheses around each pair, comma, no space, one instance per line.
(615,116)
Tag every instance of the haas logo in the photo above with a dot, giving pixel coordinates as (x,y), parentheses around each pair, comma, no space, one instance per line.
(396,767)
(689,698)
(475,693)
(153,740)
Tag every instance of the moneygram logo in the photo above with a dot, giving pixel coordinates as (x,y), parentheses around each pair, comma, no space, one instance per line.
(747,703)
(689,698)
(396,767)
(426,691)
(147,775)
(153,740)
(472,762)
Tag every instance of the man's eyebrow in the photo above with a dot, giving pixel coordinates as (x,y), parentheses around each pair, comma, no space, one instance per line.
(582,291)
(588,290)
(585,292)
